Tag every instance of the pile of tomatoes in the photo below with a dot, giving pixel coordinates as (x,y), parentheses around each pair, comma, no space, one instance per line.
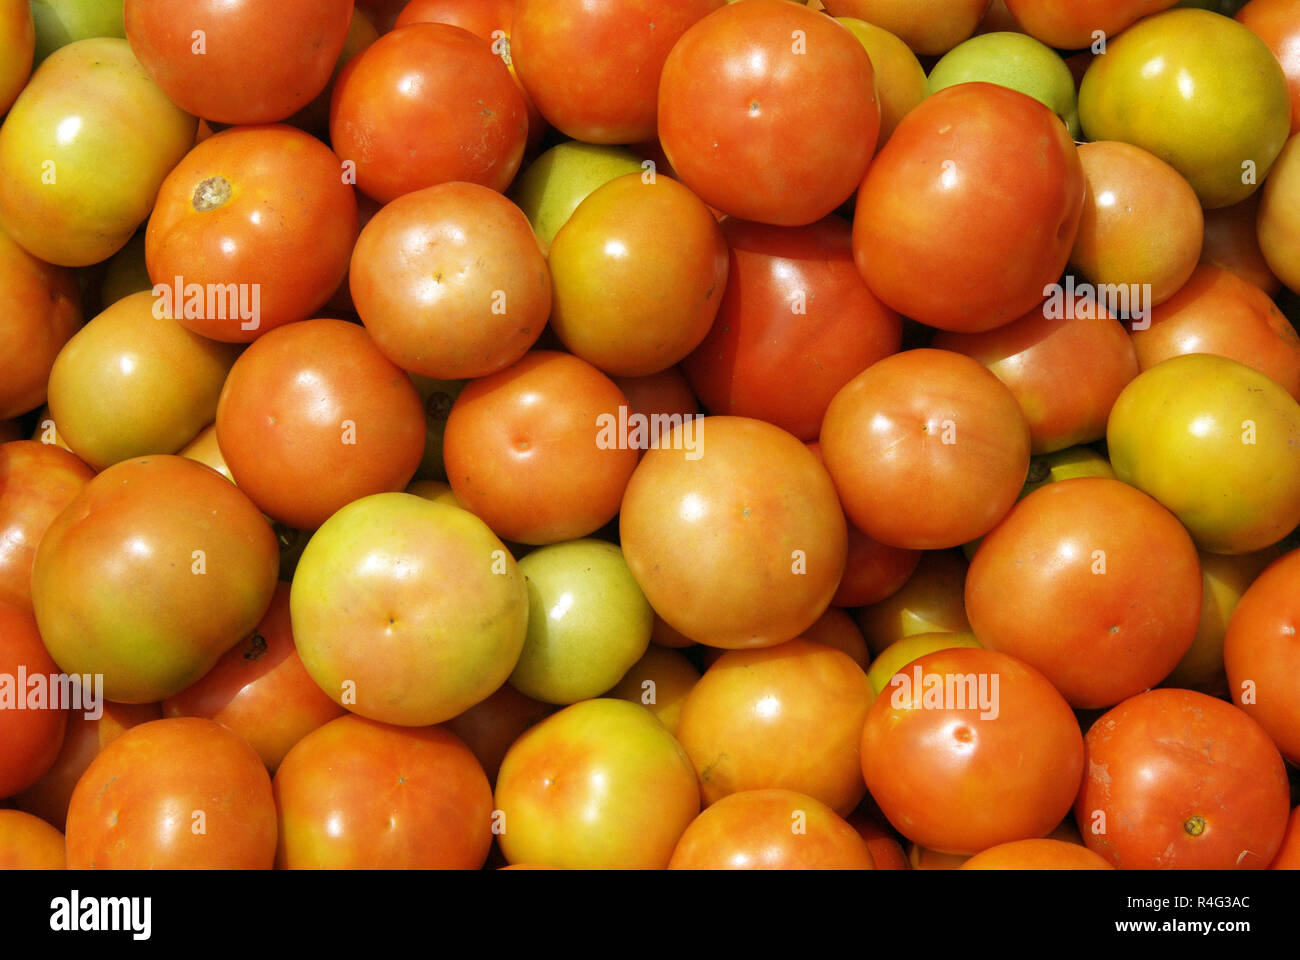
(653,433)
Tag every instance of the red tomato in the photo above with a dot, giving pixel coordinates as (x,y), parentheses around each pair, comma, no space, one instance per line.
(882,841)
(770,830)
(734,118)
(492,725)
(525,449)
(953,227)
(173,794)
(29,843)
(795,325)
(1180,780)
(313,417)
(873,571)
(360,795)
(1073,24)
(1275,22)
(666,392)
(1232,242)
(31,732)
(927,449)
(261,207)
(405,109)
(238,61)
(37,481)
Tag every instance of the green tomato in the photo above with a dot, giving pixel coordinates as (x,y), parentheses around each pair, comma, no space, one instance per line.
(61,22)
(561,178)
(588,622)
(899,77)
(1198,90)
(1218,444)
(1012,60)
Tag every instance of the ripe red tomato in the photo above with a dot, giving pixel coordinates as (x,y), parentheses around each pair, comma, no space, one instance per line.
(238,61)
(263,208)
(405,109)
(796,323)
(927,449)
(524,449)
(734,119)
(313,417)
(490,726)
(173,794)
(360,795)
(1176,779)
(970,748)
(31,733)
(882,841)
(925,235)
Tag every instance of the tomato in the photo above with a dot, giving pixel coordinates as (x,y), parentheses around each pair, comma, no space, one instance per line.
(83,151)
(969,749)
(1277,224)
(872,571)
(835,628)
(1142,223)
(600,785)
(126,273)
(1275,22)
(1260,655)
(733,117)
(1091,582)
(886,851)
(927,26)
(450,282)
(1220,313)
(1041,854)
(895,657)
(552,186)
(927,449)
(666,393)
(923,235)
(205,449)
(17,44)
(37,481)
(734,533)
(315,116)
(29,843)
(360,795)
(173,794)
(1179,780)
(930,601)
(1064,371)
(1232,242)
(770,830)
(660,681)
(900,79)
(1198,90)
(49,797)
(1218,444)
(1073,24)
(313,417)
(921,858)
(438,397)
(260,689)
(250,62)
(407,611)
(133,381)
(403,110)
(639,271)
(788,717)
(264,208)
(1288,855)
(155,569)
(490,726)
(31,730)
(534,449)
(795,324)
(593,69)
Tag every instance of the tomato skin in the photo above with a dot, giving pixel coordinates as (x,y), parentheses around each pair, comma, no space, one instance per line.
(872,571)
(260,62)
(402,109)
(89,101)
(37,481)
(1275,22)
(286,229)
(922,234)
(29,738)
(886,851)
(1071,25)
(1288,855)
(18,44)
(1179,780)
(491,726)
(927,26)
(957,781)
(731,103)
(313,417)
(896,483)
(1044,854)
(931,600)
(753,830)
(1091,582)
(29,843)
(1260,656)
(492,292)
(795,324)
(663,677)
(116,583)
(135,807)
(360,795)
(1232,242)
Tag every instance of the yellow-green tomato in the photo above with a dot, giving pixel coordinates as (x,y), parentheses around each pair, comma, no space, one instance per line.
(1200,91)
(660,681)
(898,655)
(588,621)
(84,150)
(407,611)
(561,178)
(600,785)
(61,22)
(1218,444)
(1278,221)
(133,381)
(17,41)
(899,76)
